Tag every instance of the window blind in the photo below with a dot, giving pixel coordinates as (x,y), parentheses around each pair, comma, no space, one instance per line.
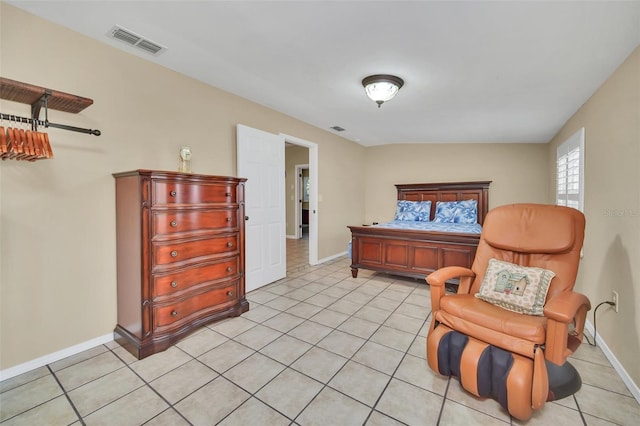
(570,172)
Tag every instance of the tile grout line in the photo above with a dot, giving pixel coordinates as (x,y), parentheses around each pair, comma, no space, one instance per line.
(325,384)
(417,334)
(53,373)
(66,396)
(221,374)
(148,385)
(446,391)
(584,421)
(375,404)
(40,404)
(253,394)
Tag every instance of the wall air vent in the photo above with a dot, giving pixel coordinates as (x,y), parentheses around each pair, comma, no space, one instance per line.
(135,40)
(337,128)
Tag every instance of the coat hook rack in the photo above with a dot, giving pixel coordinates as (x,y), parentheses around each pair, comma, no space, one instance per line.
(38,97)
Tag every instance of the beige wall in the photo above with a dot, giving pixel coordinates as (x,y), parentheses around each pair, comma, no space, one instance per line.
(611,118)
(57,225)
(519,172)
(294,156)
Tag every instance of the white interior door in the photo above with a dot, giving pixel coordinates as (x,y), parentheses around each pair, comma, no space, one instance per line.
(261,160)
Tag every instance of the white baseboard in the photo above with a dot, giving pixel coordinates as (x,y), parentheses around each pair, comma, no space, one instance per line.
(292,237)
(53,357)
(335,256)
(631,385)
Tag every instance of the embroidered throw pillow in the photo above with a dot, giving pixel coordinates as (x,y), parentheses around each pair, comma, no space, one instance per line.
(514,287)
(456,211)
(413,210)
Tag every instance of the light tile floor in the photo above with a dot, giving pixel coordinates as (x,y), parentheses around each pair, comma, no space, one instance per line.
(316,348)
(297,253)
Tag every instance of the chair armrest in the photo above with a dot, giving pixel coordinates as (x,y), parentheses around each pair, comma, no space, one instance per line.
(437,280)
(564,310)
(565,306)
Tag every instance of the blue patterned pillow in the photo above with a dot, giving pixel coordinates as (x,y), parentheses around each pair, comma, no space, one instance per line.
(419,211)
(456,211)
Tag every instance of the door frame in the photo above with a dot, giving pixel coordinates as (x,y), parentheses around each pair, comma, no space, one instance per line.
(298,190)
(314,212)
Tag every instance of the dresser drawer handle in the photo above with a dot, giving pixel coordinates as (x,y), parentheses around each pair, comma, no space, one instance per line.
(227,194)
(229,244)
(173,224)
(229,269)
(174,253)
(174,313)
(230,293)
(174,284)
(229,219)
(172,193)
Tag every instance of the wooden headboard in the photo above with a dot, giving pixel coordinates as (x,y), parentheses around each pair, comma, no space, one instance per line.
(451,191)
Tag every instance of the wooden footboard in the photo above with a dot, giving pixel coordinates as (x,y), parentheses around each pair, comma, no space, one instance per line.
(409,253)
(418,253)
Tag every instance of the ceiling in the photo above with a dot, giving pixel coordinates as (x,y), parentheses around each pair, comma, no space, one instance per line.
(475,71)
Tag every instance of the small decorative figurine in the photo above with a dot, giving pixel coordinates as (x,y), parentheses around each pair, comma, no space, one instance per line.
(185,159)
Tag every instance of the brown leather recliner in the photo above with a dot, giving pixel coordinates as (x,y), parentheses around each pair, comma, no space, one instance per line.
(516,358)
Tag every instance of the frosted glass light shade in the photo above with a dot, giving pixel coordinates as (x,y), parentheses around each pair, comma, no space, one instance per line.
(382,88)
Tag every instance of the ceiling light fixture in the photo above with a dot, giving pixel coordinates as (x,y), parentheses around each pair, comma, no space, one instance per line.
(381,88)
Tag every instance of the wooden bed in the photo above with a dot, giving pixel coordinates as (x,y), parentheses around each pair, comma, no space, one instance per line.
(414,253)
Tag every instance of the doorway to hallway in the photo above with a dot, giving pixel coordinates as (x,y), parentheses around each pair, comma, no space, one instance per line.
(297,254)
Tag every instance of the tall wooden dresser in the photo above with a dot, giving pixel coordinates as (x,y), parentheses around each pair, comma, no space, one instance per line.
(180,255)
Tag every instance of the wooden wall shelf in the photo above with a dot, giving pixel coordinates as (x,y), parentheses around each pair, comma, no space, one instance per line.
(39,97)
(25,93)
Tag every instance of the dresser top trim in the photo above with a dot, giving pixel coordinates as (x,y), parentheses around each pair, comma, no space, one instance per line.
(176,175)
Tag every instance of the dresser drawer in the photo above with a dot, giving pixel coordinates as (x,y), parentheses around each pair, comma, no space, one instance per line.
(188,279)
(171,223)
(173,192)
(174,253)
(175,314)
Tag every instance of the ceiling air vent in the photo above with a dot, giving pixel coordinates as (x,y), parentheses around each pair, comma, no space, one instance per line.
(337,128)
(135,40)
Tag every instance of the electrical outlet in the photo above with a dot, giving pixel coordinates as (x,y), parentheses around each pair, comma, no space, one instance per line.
(614,299)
